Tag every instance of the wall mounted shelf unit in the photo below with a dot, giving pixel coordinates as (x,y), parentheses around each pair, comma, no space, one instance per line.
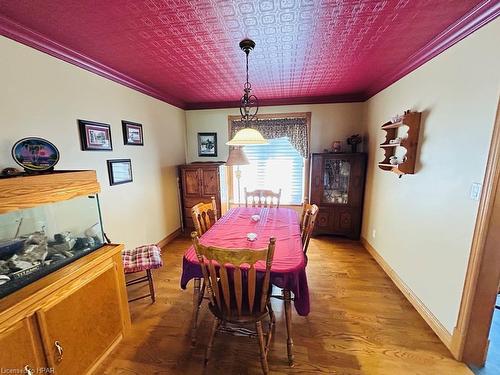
(409,142)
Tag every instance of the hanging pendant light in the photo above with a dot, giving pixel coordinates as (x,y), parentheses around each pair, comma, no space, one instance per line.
(248,108)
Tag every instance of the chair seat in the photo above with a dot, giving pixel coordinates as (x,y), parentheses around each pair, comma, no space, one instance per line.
(246,317)
(142,258)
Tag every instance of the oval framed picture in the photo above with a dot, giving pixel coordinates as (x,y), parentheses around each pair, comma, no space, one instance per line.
(35,154)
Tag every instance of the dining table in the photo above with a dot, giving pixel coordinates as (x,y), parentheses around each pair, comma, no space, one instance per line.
(288,270)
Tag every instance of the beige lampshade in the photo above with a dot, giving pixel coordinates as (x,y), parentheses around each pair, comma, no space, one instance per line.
(247,136)
(237,157)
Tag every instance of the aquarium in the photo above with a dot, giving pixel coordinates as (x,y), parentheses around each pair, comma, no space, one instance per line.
(37,241)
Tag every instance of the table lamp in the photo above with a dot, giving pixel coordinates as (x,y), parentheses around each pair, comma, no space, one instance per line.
(236,158)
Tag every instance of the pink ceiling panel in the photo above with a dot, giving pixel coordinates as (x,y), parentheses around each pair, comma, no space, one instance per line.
(187,51)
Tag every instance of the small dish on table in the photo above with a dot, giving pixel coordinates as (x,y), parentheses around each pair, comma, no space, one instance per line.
(251,236)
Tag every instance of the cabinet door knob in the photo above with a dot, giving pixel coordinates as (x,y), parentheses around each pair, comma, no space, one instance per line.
(60,351)
(28,370)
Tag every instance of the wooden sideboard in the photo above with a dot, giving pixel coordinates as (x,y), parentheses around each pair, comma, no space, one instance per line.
(337,186)
(198,183)
(81,308)
(67,321)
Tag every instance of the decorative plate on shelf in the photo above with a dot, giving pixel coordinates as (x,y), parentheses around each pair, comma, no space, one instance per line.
(35,154)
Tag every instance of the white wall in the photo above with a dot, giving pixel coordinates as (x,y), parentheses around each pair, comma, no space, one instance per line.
(329,122)
(424,222)
(43,96)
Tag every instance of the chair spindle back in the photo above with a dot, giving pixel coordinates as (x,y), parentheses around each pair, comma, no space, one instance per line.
(204,215)
(227,276)
(305,206)
(307,223)
(262,198)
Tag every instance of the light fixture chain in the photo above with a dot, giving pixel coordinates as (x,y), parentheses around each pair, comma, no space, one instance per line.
(247,66)
(248,103)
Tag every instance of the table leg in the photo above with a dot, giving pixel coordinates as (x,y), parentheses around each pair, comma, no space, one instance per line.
(288,317)
(196,309)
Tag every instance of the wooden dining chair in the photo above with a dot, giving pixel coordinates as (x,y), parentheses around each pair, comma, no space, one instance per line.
(204,216)
(308,222)
(262,198)
(305,205)
(237,294)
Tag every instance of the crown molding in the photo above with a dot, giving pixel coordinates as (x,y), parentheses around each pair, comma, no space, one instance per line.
(479,16)
(24,35)
(330,99)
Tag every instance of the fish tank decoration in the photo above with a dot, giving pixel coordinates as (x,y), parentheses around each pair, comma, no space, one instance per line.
(35,154)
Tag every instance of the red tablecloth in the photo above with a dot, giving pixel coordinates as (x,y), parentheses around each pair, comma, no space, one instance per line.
(289,263)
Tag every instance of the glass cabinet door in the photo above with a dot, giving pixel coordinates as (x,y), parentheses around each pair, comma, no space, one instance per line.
(336,178)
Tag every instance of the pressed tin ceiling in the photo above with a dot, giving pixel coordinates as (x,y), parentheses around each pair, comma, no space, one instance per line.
(186,52)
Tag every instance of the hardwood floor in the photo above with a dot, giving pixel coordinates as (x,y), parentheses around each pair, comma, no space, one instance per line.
(359,324)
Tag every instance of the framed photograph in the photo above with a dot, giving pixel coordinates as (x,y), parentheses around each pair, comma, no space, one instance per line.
(132,133)
(95,136)
(119,171)
(207,144)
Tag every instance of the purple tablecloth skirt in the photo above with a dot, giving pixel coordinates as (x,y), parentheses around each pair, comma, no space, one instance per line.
(295,281)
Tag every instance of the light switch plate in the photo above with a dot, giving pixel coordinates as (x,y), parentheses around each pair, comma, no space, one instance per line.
(475,191)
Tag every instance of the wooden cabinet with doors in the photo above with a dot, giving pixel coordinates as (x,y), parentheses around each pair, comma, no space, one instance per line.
(337,186)
(21,347)
(68,320)
(199,182)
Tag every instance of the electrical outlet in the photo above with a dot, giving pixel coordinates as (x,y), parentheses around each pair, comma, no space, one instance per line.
(475,191)
(374,233)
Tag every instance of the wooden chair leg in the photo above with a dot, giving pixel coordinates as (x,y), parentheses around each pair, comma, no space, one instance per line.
(288,319)
(139,280)
(151,285)
(271,313)
(262,348)
(269,337)
(215,325)
(196,307)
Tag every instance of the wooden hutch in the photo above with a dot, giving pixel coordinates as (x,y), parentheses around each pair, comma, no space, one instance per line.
(198,183)
(337,186)
(67,321)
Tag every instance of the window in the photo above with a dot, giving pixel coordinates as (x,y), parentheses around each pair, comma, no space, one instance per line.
(276,165)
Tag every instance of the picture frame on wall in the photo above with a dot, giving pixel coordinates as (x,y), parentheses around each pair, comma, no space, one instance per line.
(132,133)
(95,136)
(207,144)
(119,171)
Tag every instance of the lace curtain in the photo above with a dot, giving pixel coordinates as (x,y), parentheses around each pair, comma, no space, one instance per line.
(293,128)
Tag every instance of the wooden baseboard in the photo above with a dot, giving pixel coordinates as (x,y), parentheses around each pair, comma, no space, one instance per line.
(424,312)
(172,236)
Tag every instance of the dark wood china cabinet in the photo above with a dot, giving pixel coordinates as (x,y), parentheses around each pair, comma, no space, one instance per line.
(337,187)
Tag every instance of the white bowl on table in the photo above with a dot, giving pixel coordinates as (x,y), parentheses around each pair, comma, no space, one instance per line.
(255,218)
(251,236)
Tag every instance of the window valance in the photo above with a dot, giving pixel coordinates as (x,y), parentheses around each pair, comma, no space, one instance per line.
(295,129)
